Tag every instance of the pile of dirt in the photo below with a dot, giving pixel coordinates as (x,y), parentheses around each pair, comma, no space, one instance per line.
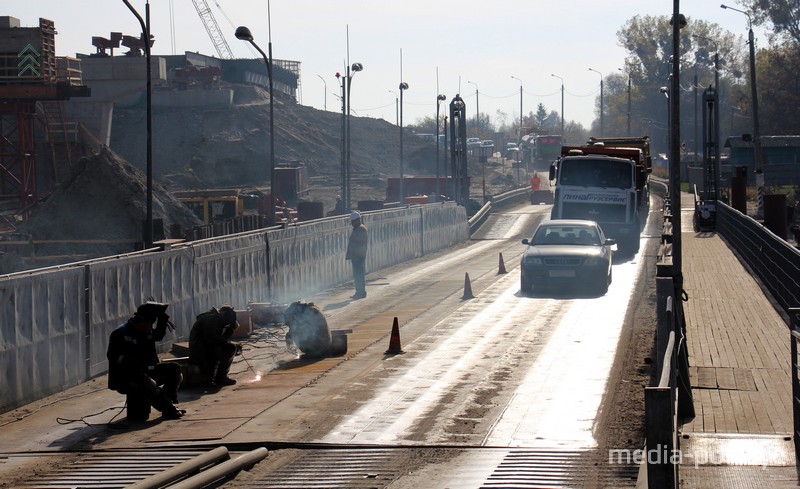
(104,200)
(197,147)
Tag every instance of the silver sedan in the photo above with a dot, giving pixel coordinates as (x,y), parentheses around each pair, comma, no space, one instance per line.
(567,253)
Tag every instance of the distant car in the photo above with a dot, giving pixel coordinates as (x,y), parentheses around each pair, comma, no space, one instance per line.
(567,253)
(487,143)
(472,142)
(512,151)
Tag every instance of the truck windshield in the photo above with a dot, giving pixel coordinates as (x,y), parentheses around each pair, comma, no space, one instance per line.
(591,172)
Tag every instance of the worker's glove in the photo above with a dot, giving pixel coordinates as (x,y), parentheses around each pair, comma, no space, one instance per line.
(164,318)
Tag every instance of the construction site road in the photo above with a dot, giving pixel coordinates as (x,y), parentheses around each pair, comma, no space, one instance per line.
(491,385)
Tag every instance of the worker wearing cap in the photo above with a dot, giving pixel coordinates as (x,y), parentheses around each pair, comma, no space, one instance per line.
(357,254)
(210,347)
(134,368)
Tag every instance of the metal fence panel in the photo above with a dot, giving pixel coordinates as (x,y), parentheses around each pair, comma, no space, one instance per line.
(41,335)
(230,270)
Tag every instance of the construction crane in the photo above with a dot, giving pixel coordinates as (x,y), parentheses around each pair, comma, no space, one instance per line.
(210,23)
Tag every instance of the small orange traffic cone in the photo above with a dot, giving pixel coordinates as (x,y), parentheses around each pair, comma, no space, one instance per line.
(467,288)
(394,341)
(502,268)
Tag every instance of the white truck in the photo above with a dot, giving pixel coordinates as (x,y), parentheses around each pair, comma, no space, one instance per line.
(600,188)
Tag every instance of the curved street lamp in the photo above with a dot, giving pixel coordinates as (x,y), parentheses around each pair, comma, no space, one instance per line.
(439,98)
(352,70)
(244,34)
(757,156)
(325,103)
(403,87)
(601,99)
(477,110)
(562,104)
(145,24)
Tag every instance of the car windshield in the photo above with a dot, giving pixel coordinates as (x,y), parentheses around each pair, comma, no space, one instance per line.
(565,235)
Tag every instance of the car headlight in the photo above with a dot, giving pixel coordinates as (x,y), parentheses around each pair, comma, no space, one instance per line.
(531,260)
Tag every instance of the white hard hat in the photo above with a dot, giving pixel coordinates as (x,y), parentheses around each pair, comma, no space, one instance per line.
(355,215)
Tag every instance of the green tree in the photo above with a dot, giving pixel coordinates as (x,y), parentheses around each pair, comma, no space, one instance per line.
(540,118)
(779,90)
(782,15)
(648,41)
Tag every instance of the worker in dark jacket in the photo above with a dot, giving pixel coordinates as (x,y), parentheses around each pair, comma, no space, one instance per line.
(134,368)
(357,254)
(210,346)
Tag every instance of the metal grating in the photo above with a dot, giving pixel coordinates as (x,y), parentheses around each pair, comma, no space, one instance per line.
(351,469)
(559,468)
(97,469)
(378,468)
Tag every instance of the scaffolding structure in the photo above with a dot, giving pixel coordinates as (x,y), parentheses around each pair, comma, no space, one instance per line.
(32,80)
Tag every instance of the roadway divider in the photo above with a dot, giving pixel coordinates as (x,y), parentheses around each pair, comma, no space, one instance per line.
(497,202)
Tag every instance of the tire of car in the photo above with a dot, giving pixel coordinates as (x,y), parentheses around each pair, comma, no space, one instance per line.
(602,283)
(526,287)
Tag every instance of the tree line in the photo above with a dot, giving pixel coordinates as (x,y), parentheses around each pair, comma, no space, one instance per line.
(640,90)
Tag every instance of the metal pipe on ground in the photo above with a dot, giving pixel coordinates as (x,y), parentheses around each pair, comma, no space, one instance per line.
(181,470)
(224,469)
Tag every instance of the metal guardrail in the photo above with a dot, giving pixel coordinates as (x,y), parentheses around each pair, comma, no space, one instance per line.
(794,314)
(774,261)
(497,201)
(671,398)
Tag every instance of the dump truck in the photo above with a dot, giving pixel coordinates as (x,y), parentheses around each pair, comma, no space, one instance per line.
(599,184)
(644,166)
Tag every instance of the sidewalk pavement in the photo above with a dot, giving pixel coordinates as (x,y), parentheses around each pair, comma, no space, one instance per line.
(738,344)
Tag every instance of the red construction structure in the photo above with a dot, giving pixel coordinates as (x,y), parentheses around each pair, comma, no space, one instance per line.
(32,81)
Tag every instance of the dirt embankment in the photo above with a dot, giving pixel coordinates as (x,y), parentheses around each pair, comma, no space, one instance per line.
(196,148)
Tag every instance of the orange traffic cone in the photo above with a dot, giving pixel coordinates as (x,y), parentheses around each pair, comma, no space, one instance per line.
(467,288)
(394,341)
(502,268)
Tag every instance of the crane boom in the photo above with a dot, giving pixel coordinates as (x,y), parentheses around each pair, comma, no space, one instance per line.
(210,23)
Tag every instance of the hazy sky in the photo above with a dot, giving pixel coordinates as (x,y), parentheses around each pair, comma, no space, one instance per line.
(486,43)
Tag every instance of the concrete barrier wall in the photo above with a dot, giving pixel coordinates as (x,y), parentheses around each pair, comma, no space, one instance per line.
(55,323)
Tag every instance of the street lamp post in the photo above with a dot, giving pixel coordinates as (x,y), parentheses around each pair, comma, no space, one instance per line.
(396,108)
(477,110)
(351,70)
(439,98)
(403,87)
(145,24)
(757,155)
(243,34)
(325,93)
(628,133)
(601,100)
(562,104)
(519,141)
(340,204)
